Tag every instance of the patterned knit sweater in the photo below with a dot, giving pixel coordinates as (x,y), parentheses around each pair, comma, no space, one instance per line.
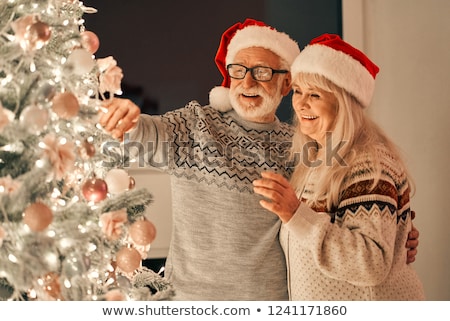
(224,246)
(360,254)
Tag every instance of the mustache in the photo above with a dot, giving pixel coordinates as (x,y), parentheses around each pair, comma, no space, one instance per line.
(255,90)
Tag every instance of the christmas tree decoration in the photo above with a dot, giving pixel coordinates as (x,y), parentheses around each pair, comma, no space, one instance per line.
(65,105)
(90,41)
(142,232)
(72,223)
(37,216)
(112,223)
(95,189)
(128,259)
(80,62)
(34,119)
(117,180)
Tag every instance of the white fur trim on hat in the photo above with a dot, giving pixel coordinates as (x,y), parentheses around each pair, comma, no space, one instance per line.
(263,36)
(339,67)
(219,98)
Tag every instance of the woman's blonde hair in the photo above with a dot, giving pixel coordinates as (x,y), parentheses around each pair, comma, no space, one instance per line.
(354,133)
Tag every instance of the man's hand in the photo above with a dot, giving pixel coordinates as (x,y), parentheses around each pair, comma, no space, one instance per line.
(412,242)
(119,116)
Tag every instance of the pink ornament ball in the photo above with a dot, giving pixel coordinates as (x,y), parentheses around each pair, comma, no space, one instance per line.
(90,41)
(142,232)
(128,259)
(65,105)
(39,34)
(38,216)
(94,190)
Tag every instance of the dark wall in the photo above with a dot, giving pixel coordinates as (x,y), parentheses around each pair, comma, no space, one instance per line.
(166,48)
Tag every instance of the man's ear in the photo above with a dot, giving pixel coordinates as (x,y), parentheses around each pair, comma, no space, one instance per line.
(286,84)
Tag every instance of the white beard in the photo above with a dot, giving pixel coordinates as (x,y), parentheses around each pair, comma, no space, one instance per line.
(268,106)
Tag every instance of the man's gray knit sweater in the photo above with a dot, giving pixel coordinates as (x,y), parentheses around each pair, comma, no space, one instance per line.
(224,245)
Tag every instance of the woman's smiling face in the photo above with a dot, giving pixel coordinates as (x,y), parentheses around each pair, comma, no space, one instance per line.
(316,111)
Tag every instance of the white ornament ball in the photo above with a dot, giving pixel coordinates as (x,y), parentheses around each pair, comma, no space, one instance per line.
(81,62)
(117,180)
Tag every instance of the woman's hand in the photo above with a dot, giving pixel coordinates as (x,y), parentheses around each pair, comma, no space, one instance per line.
(281,197)
(118,116)
(412,242)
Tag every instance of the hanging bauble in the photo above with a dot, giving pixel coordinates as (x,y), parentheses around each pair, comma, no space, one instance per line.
(38,34)
(80,62)
(21,27)
(128,259)
(34,118)
(142,232)
(90,41)
(37,216)
(94,189)
(118,180)
(65,105)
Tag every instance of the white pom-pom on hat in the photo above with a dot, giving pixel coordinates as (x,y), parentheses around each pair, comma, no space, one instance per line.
(219,98)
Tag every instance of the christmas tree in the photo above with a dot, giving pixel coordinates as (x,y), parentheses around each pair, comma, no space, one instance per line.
(72,223)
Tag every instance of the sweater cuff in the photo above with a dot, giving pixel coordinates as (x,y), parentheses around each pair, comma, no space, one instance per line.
(132,133)
(306,221)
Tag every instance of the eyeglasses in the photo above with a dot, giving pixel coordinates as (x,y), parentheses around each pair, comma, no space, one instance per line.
(258,73)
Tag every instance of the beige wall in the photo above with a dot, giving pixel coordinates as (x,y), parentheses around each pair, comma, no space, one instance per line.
(410,41)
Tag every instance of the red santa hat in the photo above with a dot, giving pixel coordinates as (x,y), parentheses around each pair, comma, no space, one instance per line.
(250,33)
(330,56)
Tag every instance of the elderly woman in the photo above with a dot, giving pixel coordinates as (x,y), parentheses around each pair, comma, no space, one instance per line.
(346,209)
